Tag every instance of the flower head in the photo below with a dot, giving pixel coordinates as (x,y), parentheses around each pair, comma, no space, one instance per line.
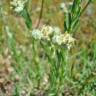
(18,5)
(56,30)
(46,31)
(64,7)
(57,39)
(54,35)
(68,40)
(37,34)
(65,39)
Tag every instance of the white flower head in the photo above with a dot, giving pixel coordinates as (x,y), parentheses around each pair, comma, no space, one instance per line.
(57,39)
(64,8)
(69,46)
(46,31)
(70,3)
(68,40)
(18,5)
(56,30)
(37,34)
(65,39)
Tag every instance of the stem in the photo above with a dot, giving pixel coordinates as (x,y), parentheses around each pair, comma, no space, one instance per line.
(41,12)
(85,7)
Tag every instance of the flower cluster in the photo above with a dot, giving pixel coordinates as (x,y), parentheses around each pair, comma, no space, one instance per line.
(63,39)
(47,32)
(44,33)
(37,34)
(18,5)
(54,35)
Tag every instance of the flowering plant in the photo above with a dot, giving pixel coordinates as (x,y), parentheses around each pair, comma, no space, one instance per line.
(56,44)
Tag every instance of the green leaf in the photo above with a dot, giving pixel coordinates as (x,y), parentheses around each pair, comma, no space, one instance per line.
(27,18)
(67,23)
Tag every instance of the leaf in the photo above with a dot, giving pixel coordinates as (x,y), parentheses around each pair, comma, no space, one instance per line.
(67,23)
(27,18)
